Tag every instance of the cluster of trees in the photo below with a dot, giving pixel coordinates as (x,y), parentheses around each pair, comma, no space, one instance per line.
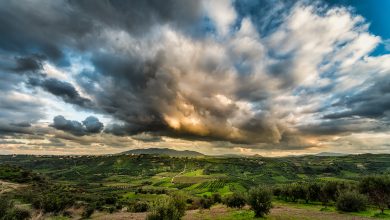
(259,199)
(8,211)
(18,174)
(173,207)
(142,190)
(347,196)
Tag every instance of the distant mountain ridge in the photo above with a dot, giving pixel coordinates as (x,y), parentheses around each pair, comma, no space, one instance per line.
(164,151)
(330,154)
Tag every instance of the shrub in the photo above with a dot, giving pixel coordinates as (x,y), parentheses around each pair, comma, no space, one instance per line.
(351,202)
(216,197)
(172,208)
(260,200)
(9,212)
(236,200)
(139,206)
(18,214)
(205,203)
(5,206)
(88,211)
(277,191)
(53,202)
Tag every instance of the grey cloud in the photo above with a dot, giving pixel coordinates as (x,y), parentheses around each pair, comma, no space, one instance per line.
(342,126)
(17,114)
(6,128)
(31,63)
(145,78)
(93,125)
(373,102)
(146,137)
(63,90)
(49,26)
(23,124)
(74,127)
(90,125)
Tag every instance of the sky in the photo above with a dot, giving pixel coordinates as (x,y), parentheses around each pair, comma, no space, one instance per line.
(268,77)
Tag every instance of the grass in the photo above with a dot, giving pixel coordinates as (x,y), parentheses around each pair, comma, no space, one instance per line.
(198,172)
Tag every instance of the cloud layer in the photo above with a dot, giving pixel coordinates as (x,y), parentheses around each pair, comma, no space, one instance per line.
(220,74)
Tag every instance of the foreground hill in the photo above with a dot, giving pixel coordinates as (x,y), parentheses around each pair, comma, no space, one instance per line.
(164,151)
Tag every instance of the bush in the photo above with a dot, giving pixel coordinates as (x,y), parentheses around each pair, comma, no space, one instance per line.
(351,202)
(53,202)
(216,197)
(139,206)
(205,203)
(5,206)
(171,208)
(236,200)
(17,214)
(9,212)
(260,200)
(88,211)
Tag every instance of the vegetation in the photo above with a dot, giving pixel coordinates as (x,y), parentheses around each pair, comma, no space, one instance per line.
(167,186)
(9,212)
(236,200)
(378,190)
(168,208)
(351,202)
(260,200)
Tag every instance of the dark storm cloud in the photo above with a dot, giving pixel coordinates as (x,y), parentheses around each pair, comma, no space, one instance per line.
(90,125)
(74,127)
(23,124)
(26,64)
(48,26)
(140,63)
(139,16)
(63,90)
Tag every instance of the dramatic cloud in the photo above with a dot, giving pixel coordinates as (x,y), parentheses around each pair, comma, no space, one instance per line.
(63,90)
(240,75)
(90,125)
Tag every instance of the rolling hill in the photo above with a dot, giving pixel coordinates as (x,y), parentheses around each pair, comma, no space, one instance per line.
(164,151)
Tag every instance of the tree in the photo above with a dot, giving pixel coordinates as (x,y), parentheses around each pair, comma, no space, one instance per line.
(297,192)
(260,200)
(328,192)
(236,200)
(351,202)
(377,188)
(314,191)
